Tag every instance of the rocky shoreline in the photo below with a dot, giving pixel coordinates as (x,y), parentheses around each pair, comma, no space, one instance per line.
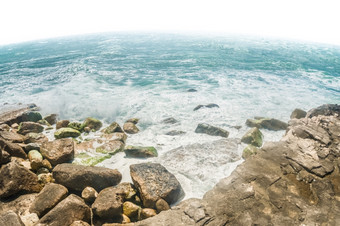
(279,183)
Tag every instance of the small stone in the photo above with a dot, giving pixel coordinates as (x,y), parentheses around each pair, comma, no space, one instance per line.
(140,152)
(45,178)
(113,127)
(191,90)
(42,170)
(30,127)
(76,126)
(249,151)
(32,146)
(298,113)
(92,123)
(44,122)
(133,120)
(87,129)
(147,213)
(162,205)
(175,133)
(109,203)
(169,121)
(89,194)
(36,159)
(79,223)
(15,125)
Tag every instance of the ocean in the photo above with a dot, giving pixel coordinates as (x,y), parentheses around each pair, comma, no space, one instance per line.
(117,76)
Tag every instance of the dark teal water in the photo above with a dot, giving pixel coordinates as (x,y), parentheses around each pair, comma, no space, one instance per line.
(118,76)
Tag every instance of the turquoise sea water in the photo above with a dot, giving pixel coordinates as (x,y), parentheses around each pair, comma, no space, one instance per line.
(118,76)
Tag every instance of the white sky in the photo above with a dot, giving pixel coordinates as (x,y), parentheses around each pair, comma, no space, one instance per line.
(312,20)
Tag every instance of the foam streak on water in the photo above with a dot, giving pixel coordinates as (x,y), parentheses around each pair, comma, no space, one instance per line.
(118,76)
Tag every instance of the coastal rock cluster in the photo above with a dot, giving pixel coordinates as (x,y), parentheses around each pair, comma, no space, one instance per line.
(295,181)
(40,184)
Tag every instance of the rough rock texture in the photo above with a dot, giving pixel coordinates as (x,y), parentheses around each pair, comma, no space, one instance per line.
(78,177)
(14,115)
(31,116)
(89,194)
(92,123)
(10,218)
(111,147)
(58,151)
(62,124)
(298,113)
(66,132)
(140,152)
(13,149)
(253,137)
(30,127)
(48,198)
(267,123)
(109,203)
(326,109)
(211,130)
(113,127)
(12,136)
(71,209)
(291,182)
(16,178)
(154,181)
(37,138)
(130,128)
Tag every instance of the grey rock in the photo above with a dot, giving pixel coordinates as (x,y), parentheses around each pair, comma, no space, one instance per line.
(211,130)
(170,120)
(326,109)
(175,133)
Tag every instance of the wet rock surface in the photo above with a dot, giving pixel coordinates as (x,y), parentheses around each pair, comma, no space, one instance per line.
(211,130)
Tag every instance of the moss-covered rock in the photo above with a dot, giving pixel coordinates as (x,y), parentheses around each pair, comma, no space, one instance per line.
(111,147)
(249,151)
(114,127)
(254,137)
(131,210)
(31,116)
(76,126)
(88,160)
(92,123)
(66,132)
(140,152)
(44,122)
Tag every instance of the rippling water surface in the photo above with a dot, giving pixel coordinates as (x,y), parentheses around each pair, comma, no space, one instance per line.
(118,76)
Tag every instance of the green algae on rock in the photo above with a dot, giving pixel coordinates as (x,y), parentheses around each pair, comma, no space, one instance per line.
(87,160)
(140,152)
(249,151)
(92,123)
(66,132)
(253,136)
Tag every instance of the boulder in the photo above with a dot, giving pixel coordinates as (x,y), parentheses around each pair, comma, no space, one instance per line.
(249,151)
(170,120)
(66,132)
(31,116)
(211,130)
(37,138)
(51,119)
(77,177)
(58,151)
(298,113)
(109,203)
(16,178)
(12,136)
(48,198)
(140,152)
(162,205)
(30,127)
(326,110)
(13,149)
(153,181)
(92,123)
(36,159)
(19,204)
(76,125)
(267,123)
(89,194)
(206,106)
(133,120)
(10,218)
(253,137)
(130,128)
(71,209)
(14,115)
(111,147)
(175,133)
(192,90)
(131,210)
(62,124)
(112,128)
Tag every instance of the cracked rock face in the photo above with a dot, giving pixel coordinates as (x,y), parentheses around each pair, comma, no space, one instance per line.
(295,181)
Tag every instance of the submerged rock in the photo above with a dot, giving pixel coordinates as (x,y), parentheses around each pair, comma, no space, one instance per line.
(154,181)
(89,194)
(76,177)
(211,130)
(191,90)
(175,133)
(298,113)
(267,123)
(112,128)
(140,152)
(66,132)
(253,137)
(130,128)
(206,106)
(92,123)
(111,147)
(170,120)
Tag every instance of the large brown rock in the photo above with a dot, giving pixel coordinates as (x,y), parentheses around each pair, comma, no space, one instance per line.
(16,178)
(154,181)
(48,198)
(14,114)
(12,136)
(13,149)
(37,138)
(10,218)
(30,127)
(58,151)
(77,177)
(253,137)
(109,203)
(62,124)
(298,113)
(71,209)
